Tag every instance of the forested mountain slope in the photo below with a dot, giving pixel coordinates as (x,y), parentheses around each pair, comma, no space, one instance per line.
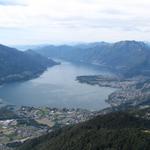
(128,58)
(16,65)
(114,131)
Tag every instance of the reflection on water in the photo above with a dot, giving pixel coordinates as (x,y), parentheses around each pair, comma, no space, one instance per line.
(57,87)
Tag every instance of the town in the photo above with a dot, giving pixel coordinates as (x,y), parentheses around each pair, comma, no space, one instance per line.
(30,122)
(131,91)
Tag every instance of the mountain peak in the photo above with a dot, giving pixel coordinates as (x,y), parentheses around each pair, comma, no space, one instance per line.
(130,43)
(131,46)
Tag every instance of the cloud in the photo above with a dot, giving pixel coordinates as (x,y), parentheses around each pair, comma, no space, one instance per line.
(73,20)
(12,2)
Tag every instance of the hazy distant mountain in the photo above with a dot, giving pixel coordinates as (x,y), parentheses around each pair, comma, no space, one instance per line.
(114,131)
(129,58)
(26,47)
(16,65)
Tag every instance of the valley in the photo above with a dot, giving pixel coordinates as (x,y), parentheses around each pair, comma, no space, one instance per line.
(74,75)
(57,87)
(128,60)
(86,92)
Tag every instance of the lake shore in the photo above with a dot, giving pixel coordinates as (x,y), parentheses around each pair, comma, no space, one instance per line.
(57,87)
(127,90)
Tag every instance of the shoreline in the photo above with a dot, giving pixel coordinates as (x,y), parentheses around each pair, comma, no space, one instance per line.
(24,76)
(126,92)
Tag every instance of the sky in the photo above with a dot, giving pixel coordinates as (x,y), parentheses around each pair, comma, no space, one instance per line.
(73,21)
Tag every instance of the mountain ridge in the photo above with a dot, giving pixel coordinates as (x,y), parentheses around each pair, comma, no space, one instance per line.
(16,65)
(127,58)
(118,130)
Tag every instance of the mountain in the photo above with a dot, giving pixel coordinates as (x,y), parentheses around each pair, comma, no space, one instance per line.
(16,65)
(26,47)
(127,58)
(113,131)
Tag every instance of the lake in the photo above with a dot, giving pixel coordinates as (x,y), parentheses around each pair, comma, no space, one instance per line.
(57,87)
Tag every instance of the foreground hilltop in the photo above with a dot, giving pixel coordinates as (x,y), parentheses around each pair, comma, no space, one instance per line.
(119,130)
(17,65)
(128,58)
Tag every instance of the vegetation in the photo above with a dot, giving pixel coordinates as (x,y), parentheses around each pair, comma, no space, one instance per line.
(16,65)
(7,113)
(128,58)
(114,131)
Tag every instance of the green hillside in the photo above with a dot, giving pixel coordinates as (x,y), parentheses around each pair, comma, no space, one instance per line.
(114,131)
(16,65)
(127,58)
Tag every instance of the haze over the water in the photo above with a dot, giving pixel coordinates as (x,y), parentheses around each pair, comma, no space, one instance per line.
(62,21)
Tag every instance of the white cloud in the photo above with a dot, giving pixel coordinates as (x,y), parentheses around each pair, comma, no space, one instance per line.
(12,2)
(33,21)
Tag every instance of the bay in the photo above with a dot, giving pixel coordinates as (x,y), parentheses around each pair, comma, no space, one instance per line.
(57,87)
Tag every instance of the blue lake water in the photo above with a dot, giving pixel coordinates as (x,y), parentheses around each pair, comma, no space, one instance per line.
(57,87)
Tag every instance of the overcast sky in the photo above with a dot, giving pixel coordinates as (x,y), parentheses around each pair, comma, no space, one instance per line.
(65,21)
